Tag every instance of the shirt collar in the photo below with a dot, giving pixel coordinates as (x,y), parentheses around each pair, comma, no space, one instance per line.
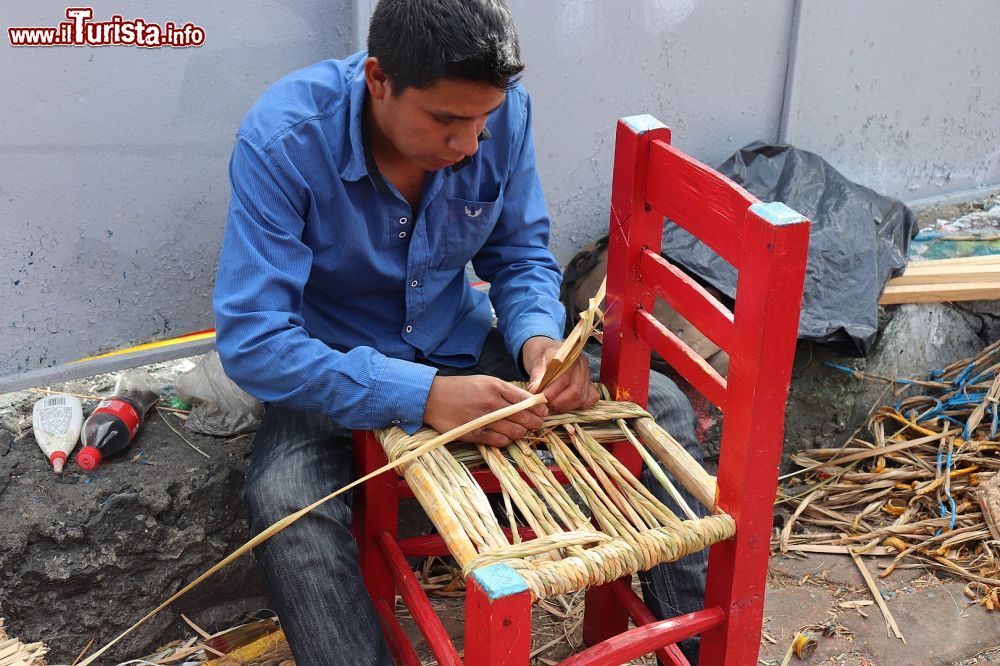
(361,162)
(354,167)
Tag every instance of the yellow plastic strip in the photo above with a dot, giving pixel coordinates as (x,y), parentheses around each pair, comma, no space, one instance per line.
(157,344)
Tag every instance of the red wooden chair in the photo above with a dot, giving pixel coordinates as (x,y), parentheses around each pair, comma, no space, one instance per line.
(767,244)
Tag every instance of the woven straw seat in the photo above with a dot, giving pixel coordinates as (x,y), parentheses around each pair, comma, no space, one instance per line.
(615,528)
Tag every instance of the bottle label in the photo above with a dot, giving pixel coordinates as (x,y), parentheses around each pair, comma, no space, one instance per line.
(123,410)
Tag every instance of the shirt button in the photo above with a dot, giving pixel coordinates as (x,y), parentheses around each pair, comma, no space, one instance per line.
(395,422)
(414,283)
(403,220)
(409,329)
(402,234)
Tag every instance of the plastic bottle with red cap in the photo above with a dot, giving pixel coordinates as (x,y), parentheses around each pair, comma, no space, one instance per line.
(112,425)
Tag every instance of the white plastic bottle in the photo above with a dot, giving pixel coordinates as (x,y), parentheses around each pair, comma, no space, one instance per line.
(57,420)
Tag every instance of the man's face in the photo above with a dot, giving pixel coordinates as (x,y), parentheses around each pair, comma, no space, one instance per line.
(437,126)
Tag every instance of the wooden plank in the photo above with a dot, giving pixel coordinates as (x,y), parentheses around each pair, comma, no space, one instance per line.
(699,199)
(966,264)
(944,275)
(702,376)
(940,293)
(978,259)
(689,298)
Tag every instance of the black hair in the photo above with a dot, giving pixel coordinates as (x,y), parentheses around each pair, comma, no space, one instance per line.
(418,42)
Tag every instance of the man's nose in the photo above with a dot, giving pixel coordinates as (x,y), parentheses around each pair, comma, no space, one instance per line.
(465,141)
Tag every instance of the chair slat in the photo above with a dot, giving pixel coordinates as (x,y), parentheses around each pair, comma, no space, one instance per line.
(642,640)
(689,298)
(682,358)
(699,199)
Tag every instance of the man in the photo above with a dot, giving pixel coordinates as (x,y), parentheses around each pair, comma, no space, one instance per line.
(361,188)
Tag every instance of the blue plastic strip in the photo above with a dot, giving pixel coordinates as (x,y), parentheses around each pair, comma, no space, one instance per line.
(842,368)
(854,372)
(952,420)
(499,581)
(983,377)
(777,213)
(941,509)
(932,412)
(951,500)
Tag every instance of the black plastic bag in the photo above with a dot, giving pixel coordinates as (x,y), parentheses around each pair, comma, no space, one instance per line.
(858,240)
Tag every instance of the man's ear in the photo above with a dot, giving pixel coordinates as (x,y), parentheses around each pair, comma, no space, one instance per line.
(375,78)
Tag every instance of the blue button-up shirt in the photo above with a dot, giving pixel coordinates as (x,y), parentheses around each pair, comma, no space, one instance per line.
(329,286)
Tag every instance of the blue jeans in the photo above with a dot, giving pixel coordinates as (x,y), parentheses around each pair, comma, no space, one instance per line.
(312,567)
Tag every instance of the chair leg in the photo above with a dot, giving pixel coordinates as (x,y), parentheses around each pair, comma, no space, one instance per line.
(604,615)
(736,583)
(774,252)
(497,618)
(375,509)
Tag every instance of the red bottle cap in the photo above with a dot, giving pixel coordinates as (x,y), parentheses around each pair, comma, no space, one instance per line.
(89,457)
(58,461)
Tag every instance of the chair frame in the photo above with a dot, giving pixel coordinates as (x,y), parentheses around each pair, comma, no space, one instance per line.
(767,244)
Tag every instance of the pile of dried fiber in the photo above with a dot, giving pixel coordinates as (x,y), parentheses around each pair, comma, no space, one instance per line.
(923,489)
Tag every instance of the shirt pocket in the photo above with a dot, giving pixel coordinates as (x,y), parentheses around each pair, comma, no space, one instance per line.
(466,227)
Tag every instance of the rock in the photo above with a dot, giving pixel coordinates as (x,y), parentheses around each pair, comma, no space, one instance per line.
(825,405)
(85,555)
(922,337)
(988,312)
(939,627)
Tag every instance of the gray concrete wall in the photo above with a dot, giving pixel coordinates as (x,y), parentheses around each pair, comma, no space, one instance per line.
(113,184)
(900,95)
(713,72)
(113,187)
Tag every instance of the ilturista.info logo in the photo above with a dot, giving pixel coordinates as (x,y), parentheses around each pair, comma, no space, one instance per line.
(80,29)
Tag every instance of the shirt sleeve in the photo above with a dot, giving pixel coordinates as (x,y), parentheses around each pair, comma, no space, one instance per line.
(260,333)
(524,277)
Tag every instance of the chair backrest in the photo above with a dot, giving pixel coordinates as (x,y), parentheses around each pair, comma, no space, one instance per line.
(765,243)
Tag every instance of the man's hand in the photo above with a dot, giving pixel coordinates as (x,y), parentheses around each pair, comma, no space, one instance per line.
(454,401)
(572,390)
